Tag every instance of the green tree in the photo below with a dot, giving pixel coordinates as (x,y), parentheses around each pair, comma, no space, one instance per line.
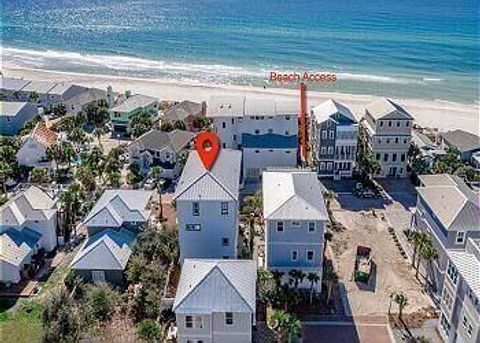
(100,303)
(286,325)
(402,300)
(367,163)
(179,125)
(313,278)
(417,239)
(59,110)
(331,279)
(86,177)
(71,200)
(39,175)
(134,176)
(428,253)
(141,123)
(98,132)
(149,331)
(54,154)
(200,122)
(156,173)
(6,172)
(68,153)
(166,126)
(296,277)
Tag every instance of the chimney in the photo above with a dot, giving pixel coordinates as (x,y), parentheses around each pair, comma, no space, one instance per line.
(303,127)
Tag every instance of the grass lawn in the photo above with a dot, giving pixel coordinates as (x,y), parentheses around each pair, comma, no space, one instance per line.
(23,324)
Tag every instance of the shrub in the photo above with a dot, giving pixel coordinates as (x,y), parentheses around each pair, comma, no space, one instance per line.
(149,330)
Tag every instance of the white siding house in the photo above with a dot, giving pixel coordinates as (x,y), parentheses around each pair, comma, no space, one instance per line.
(207,206)
(295,215)
(215,301)
(265,130)
(33,152)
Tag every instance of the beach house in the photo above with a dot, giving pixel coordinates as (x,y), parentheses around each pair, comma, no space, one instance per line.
(388,127)
(460,302)
(133,105)
(448,211)
(295,216)
(215,301)
(464,142)
(11,87)
(185,111)
(162,149)
(37,93)
(28,225)
(112,226)
(62,92)
(265,130)
(207,204)
(14,115)
(334,139)
(33,152)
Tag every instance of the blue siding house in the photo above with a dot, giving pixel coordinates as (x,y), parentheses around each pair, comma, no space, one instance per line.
(14,115)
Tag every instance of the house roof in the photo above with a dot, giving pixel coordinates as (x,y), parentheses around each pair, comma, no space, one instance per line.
(183,110)
(43,135)
(157,140)
(219,183)
(208,286)
(86,97)
(60,88)
(117,206)
(41,87)
(269,141)
(12,84)
(462,140)
(239,106)
(11,109)
(468,265)
(31,204)
(294,195)
(134,102)
(454,204)
(387,109)
(107,250)
(17,245)
(334,110)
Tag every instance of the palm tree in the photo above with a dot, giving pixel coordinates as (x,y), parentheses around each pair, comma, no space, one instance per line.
(54,154)
(417,239)
(33,97)
(330,278)
(277,276)
(428,253)
(156,174)
(402,300)
(286,325)
(86,177)
(38,175)
(98,132)
(254,204)
(296,276)
(6,172)
(71,200)
(67,153)
(314,279)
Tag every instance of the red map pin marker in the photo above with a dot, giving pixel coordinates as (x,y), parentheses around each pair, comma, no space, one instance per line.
(208,147)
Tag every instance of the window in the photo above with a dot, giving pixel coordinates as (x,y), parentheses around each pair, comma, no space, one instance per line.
(225,257)
(195,322)
(193,227)
(322,165)
(385,157)
(224,206)
(280,226)
(98,276)
(447,299)
(195,208)
(324,134)
(294,255)
(467,326)
(270,130)
(407,124)
(398,123)
(233,120)
(235,137)
(389,123)
(388,140)
(394,157)
(257,132)
(288,152)
(445,324)
(330,150)
(402,157)
(452,272)
(329,165)
(257,151)
(396,140)
(311,226)
(225,242)
(224,125)
(228,318)
(378,156)
(310,255)
(332,134)
(381,123)
(460,239)
(224,145)
(295,223)
(323,150)
(287,117)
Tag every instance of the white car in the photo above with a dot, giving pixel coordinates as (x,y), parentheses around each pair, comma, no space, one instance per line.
(149,184)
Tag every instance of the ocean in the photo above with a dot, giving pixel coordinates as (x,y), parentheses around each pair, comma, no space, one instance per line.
(426,49)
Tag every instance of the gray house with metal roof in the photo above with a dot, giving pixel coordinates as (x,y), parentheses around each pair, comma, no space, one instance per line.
(11,87)
(295,216)
(215,301)
(207,206)
(465,142)
(449,212)
(460,302)
(14,116)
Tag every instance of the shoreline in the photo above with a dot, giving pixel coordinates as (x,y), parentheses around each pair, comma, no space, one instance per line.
(441,114)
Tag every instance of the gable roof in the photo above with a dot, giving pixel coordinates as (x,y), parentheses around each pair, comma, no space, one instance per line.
(117,206)
(328,109)
(183,110)
(12,84)
(107,250)
(294,195)
(12,108)
(387,109)
(31,204)
(462,140)
(157,140)
(239,106)
(41,87)
(454,204)
(222,182)
(468,264)
(86,97)
(17,245)
(208,285)
(134,102)
(43,135)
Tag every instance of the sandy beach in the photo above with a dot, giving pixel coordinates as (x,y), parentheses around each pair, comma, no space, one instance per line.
(435,114)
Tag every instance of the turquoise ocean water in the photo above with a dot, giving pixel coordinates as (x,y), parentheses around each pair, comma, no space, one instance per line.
(401,48)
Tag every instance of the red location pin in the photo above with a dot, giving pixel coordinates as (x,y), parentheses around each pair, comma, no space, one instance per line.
(208,147)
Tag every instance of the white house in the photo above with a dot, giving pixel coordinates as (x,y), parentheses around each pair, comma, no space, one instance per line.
(33,152)
(207,206)
(28,223)
(264,129)
(215,301)
(334,139)
(295,216)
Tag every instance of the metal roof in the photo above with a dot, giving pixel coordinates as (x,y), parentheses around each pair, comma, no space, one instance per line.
(269,141)
(462,140)
(292,195)
(157,140)
(39,87)
(332,109)
(11,109)
(16,245)
(12,84)
(222,182)
(468,264)
(387,109)
(107,250)
(239,106)
(208,285)
(134,102)
(117,206)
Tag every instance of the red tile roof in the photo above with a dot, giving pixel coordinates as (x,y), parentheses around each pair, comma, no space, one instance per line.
(44,135)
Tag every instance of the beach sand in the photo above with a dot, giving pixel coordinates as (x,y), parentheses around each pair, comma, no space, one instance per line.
(428,113)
